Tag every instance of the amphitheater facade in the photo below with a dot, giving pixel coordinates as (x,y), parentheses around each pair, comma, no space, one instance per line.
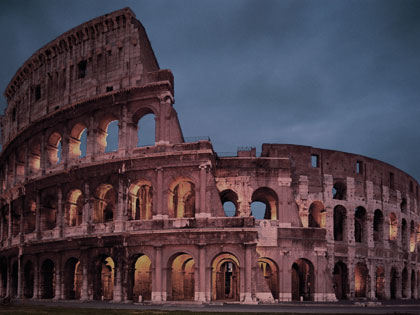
(148,223)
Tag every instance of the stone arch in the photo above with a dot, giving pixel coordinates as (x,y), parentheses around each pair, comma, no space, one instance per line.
(28,280)
(303,280)
(317,214)
(72,279)
(181,203)
(30,216)
(393,226)
(230,203)
(339,190)
(225,277)
(361,275)
(145,121)
(140,200)
(268,197)
(380,283)
(103,278)
(47,284)
(378,225)
(76,147)
(393,283)
(103,144)
(340,215)
(48,211)
(340,276)
(404,243)
(74,208)
(360,231)
(413,284)
(141,278)
(271,275)
(53,148)
(34,160)
(105,204)
(181,277)
(412,237)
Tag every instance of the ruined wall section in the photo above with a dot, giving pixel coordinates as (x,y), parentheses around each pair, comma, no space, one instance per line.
(105,54)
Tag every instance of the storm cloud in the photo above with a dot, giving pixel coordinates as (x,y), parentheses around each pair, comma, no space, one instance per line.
(341,75)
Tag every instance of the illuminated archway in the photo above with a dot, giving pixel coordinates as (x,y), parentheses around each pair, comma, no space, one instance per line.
(317,214)
(105,204)
(141,200)
(54,148)
(107,134)
(104,269)
(271,275)
(74,208)
(393,226)
(78,141)
(72,279)
(380,283)
(182,199)
(181,278)
(412,237)
(225,277)
(303,280)
(361,274)
(142,279)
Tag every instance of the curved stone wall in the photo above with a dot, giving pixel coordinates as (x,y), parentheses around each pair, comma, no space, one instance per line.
(151,223)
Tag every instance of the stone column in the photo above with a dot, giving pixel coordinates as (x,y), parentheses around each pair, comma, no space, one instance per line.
(117,284)
(60,214)
(372,278)
(44,158)
(85,272)
(58,278)
(248,274)
(65,150)
(38,215)
(9,278)
(119,222)
(1,227)
(201,294)
(159,195)
(369,230)
(351,267)
(36,279)
(122,131)
(87,209)
(202,192)
(9,230)
(20,278)
(157,279)
(27,154)
(22,218)
(90,139)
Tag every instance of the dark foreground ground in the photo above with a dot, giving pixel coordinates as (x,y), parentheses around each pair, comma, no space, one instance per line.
(106,308)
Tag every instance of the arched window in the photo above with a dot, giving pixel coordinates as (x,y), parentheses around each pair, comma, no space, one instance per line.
(340,280)
(141,201)
(393,226)
(360,225)
(105,204)
(74,208)
(339,190)
(107,135)
(225,277)
(404,235)
(54,148)
(34,157)
(264,204)
(182,199)
(339,223)
(378,222)
(146,130)
(303,280)
(316,215)
(104,278)
(229,201)
(78,141)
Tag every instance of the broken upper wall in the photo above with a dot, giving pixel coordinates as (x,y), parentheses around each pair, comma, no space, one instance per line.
(315,163)
(108,53)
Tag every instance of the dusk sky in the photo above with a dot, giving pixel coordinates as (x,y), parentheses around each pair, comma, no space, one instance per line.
(340,75)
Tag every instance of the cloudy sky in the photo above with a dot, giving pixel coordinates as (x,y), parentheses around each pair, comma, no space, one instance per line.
(333,74)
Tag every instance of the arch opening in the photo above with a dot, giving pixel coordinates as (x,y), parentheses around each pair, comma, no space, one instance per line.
(54,148)
(146,130)
(111,136)
(142,279)
(181,278)
(72,279)
(30,217)
(28,280)
(74,208)
(271,275)
(47,279)
(360,225)
(14,282)
(141,201)
(340,280)
(404,283)
(393,283)
(393,226)
(378,222)
(340,215)
(412,237)
(339,190)
(182,199)
(380,283)
(361,274)
(34,159)
(317,215)
(104,279)
(78,141)
(49,212)
(303,280)
(404,242)
(230,204)
(264,204)
(105,203)
(225,277)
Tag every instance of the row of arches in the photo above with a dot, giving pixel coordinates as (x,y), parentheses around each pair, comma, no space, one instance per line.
(394,285)
(80,141)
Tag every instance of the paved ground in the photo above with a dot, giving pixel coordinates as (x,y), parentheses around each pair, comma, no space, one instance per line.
(349,307)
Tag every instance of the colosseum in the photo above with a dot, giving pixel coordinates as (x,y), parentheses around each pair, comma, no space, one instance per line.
(174,221)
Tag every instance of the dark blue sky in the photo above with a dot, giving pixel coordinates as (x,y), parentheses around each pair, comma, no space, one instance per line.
(333,74)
